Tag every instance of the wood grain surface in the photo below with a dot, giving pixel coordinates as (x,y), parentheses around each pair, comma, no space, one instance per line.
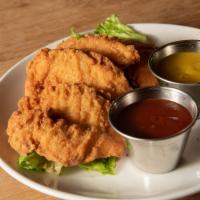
(26,25)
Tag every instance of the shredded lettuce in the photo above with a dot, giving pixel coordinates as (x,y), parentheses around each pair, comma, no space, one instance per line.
(75,34)
(114,28)
(35,162)
(32,162)
(53,167)
(162,83)
(129,145)
(102,165)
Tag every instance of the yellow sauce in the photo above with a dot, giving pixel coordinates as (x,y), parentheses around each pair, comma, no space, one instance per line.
(181,67)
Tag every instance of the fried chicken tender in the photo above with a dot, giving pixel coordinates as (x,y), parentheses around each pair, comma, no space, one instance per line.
(32,129)
(74,66)
(63,115)
(121,54)
(77,103)
(139,74)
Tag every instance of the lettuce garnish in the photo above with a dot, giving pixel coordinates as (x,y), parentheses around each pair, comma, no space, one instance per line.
(102,165)
(113,27)
(75,34)
(35,162)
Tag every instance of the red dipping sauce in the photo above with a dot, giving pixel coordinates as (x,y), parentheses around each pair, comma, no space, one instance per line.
(153,118)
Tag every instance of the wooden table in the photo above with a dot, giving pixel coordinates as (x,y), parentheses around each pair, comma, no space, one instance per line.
(26,25)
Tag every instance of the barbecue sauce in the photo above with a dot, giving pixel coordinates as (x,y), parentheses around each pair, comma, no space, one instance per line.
(153,118)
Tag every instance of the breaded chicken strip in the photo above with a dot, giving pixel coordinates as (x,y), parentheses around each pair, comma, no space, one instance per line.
(77,103)
(31,129)
(139,74)
(121,54)
(74,66)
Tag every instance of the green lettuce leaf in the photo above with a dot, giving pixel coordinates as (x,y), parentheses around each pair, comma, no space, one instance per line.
(53,167)
(102,165)
(114,28)
(129,145)
(75,34)
(35,162)
(32,162)
(162,83)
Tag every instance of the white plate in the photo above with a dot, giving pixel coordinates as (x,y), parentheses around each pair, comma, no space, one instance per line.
(130,182)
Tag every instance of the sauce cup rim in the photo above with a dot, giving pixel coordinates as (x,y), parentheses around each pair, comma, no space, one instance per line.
(127,136)
(162,47)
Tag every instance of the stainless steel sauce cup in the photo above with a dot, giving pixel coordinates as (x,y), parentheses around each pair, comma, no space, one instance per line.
(155,155)
(180,46)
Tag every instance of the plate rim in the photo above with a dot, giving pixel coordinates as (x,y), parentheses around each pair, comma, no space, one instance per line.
(61,194)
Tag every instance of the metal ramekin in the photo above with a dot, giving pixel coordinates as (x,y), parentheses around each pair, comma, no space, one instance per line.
(155,155)
(180,46)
